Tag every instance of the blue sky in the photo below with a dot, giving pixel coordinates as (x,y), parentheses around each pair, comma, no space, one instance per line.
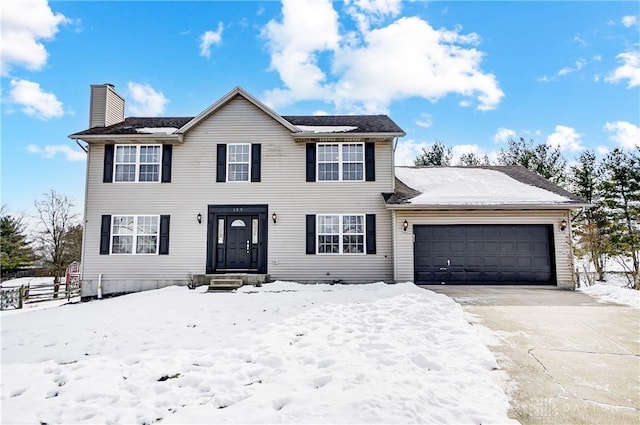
(470,74)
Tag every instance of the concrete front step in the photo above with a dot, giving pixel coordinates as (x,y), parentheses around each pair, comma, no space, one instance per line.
(224,284)
(228,281)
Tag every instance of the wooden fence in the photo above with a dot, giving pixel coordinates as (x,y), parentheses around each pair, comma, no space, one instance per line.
(16,297)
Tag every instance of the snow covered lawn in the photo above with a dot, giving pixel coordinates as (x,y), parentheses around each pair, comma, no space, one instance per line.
(614,290)
(282,353)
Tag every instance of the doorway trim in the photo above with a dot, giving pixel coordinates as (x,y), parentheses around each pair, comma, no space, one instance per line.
(215,262)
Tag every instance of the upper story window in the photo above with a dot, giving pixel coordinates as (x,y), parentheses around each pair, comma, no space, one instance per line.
(340,161)
(137,163)
(131,234)
(238,162)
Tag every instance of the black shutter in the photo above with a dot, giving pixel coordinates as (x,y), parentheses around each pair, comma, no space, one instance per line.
(163,249)
(255,162)
(221,169)
(371,233)
(107,174)
(105,235)
(311,234)
(167,151)
(370,161)
(311,162)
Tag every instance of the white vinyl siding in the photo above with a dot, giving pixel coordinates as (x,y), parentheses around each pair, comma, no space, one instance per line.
(137,163)
(283,188)
(340,162)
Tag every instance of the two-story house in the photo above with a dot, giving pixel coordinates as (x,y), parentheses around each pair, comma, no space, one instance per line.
(239,189)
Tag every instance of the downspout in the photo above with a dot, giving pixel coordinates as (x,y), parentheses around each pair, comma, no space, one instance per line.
(394,238)
(100,286)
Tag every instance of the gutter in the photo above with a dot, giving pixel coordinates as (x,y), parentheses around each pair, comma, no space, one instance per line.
(129,138)
(433,207)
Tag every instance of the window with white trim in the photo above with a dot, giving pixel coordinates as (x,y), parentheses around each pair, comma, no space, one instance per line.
(340,234)
(137,163)
(340,161)
(134,234)
(238,162)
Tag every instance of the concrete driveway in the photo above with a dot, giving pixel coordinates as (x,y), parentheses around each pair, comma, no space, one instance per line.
(570,359)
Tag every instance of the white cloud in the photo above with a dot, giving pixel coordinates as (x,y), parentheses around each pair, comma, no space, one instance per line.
(24,25)
(565,138)
(368,12)
(578,39)
(602,150)
(307,27)
(629,21)
(50,151)
(34,101)
(411,57)
(407,151)
(145,101)
(424,120)
(210,38)
(624,133)
(629,70)
(503,135)
(580,63)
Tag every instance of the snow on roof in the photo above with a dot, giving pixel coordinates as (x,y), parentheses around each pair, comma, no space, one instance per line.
(327,128)
(472,186)
(156,130)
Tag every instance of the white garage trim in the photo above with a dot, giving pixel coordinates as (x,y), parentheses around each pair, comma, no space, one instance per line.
(403,242)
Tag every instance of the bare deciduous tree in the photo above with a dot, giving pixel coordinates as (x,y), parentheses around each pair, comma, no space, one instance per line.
(57,220)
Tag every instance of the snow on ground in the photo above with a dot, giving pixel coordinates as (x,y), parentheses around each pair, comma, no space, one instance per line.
(282,353)
(614,290)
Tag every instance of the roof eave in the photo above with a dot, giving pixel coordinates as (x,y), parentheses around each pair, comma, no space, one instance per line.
(409,206)
(128,138)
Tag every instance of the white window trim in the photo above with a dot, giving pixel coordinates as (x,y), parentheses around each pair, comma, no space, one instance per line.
(341,234)
(137,163)
(228,163)
(340,162)
(134,235)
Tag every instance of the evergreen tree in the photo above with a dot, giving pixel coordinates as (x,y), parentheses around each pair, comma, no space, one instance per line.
(621,197)
(436,155)
(591,225)
(541,158)
(472,160)
(15,248)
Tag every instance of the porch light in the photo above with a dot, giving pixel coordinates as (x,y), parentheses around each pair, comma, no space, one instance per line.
(405,225)
(563,225)
(274,217)
(199,218)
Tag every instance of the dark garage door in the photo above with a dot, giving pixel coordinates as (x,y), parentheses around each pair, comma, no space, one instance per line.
(472,254)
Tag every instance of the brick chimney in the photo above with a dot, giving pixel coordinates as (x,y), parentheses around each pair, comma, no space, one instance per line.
(106,106)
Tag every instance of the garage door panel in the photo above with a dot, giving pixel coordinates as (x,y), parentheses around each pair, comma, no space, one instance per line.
(483,254)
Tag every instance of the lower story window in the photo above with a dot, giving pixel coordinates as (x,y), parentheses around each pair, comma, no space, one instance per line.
(134,234)
(340,234)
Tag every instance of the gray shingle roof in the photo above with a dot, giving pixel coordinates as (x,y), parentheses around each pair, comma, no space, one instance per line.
(132,124)
(364,124)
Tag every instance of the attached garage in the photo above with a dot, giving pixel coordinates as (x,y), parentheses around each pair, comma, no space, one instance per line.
(481,226)
(483,254)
